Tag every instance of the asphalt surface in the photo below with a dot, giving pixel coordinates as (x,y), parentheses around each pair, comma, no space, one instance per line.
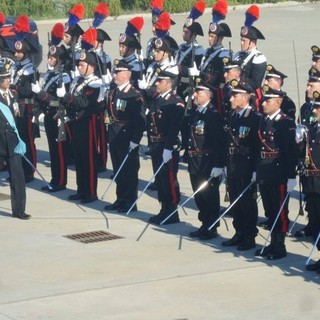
(156,272)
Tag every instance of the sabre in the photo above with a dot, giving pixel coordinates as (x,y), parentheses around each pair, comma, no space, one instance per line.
(314,246)
(231,205)
(294,222)
(199,189)
(274,223)
(38,172)
(116,174)
(145,188)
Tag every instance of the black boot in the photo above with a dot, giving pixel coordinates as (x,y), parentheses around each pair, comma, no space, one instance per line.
(234,241)
(161,215)
(279,250)
(267,249)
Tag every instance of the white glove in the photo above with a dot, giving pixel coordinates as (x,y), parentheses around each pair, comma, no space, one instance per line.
(66,119)
(254,177)
(166,155)
(133,145)
(35,87)
(41,117)
(291,184)
(216,172)
(143,84)
(61,92)
(107,78)
(193,72)
(102,93)
(74,73)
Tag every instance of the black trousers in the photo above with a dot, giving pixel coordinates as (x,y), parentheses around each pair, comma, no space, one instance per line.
(85,156)
(166,180)
(245,211)
(57,152)
(272,196)
(17,185)
(313,209)
(207,200)
(127,179)
(26,131)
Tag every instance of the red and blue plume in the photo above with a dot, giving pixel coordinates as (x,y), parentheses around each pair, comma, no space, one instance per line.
(134,26)
(156,7)
(57,33)
(76,14)
(88,39)
(101,12)
(252,15)
(163,24)
(2,19)
(219,11)
(22,27)
(197,10)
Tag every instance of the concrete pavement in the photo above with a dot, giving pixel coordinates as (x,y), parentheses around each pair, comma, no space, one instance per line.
(154,272)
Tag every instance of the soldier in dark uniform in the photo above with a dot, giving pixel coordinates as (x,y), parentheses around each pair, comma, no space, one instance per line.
(11,146)
(127,123)
(315,57)
(212,66)
(82,107)
(54,116)
(128,44)
(310,176)
(163,122)
(253,62)
(232,71)
(276,171)
(274,79)
(206,151)
(24,75)
(188,58)
(242,124)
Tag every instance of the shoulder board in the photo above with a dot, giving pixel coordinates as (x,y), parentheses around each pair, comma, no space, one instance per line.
(29,70)
(224,53)
(66,78)
(259,58)
(95,83)
(199,51)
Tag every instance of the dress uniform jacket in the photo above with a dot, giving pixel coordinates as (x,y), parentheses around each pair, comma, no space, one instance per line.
(49,104)
(276,164)
(22,79)
(206,149)
(243,150)
(211,72)
(127,123)
(137,68)
(82,108)
(311,179)
(163,124)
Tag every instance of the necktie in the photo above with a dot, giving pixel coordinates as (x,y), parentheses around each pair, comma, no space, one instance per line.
(5,97)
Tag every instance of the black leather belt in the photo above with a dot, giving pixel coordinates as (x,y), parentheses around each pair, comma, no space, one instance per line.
(270,154)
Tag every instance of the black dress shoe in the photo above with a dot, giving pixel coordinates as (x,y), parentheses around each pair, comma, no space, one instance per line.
(88,199)
(45,188)
(125,209)
(303,233)
(22,216)
(265,252)
(264,224)
(277,253)
(247,244)
(76,196)
(234,241)
(207,235)
(56,188)
(314,266)
(112,206)
(197,233)
(160,217)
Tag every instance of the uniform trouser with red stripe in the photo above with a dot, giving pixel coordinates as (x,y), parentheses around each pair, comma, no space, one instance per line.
(166,180)
(25,129)
(57,152)
(127,179)
(207,199)
(272,196)
(85,155)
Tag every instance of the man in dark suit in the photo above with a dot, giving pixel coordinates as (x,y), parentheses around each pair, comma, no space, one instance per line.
(11,146)
(276,171)
(206,150)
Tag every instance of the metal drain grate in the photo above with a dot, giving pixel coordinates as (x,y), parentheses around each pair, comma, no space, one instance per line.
(95,236)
